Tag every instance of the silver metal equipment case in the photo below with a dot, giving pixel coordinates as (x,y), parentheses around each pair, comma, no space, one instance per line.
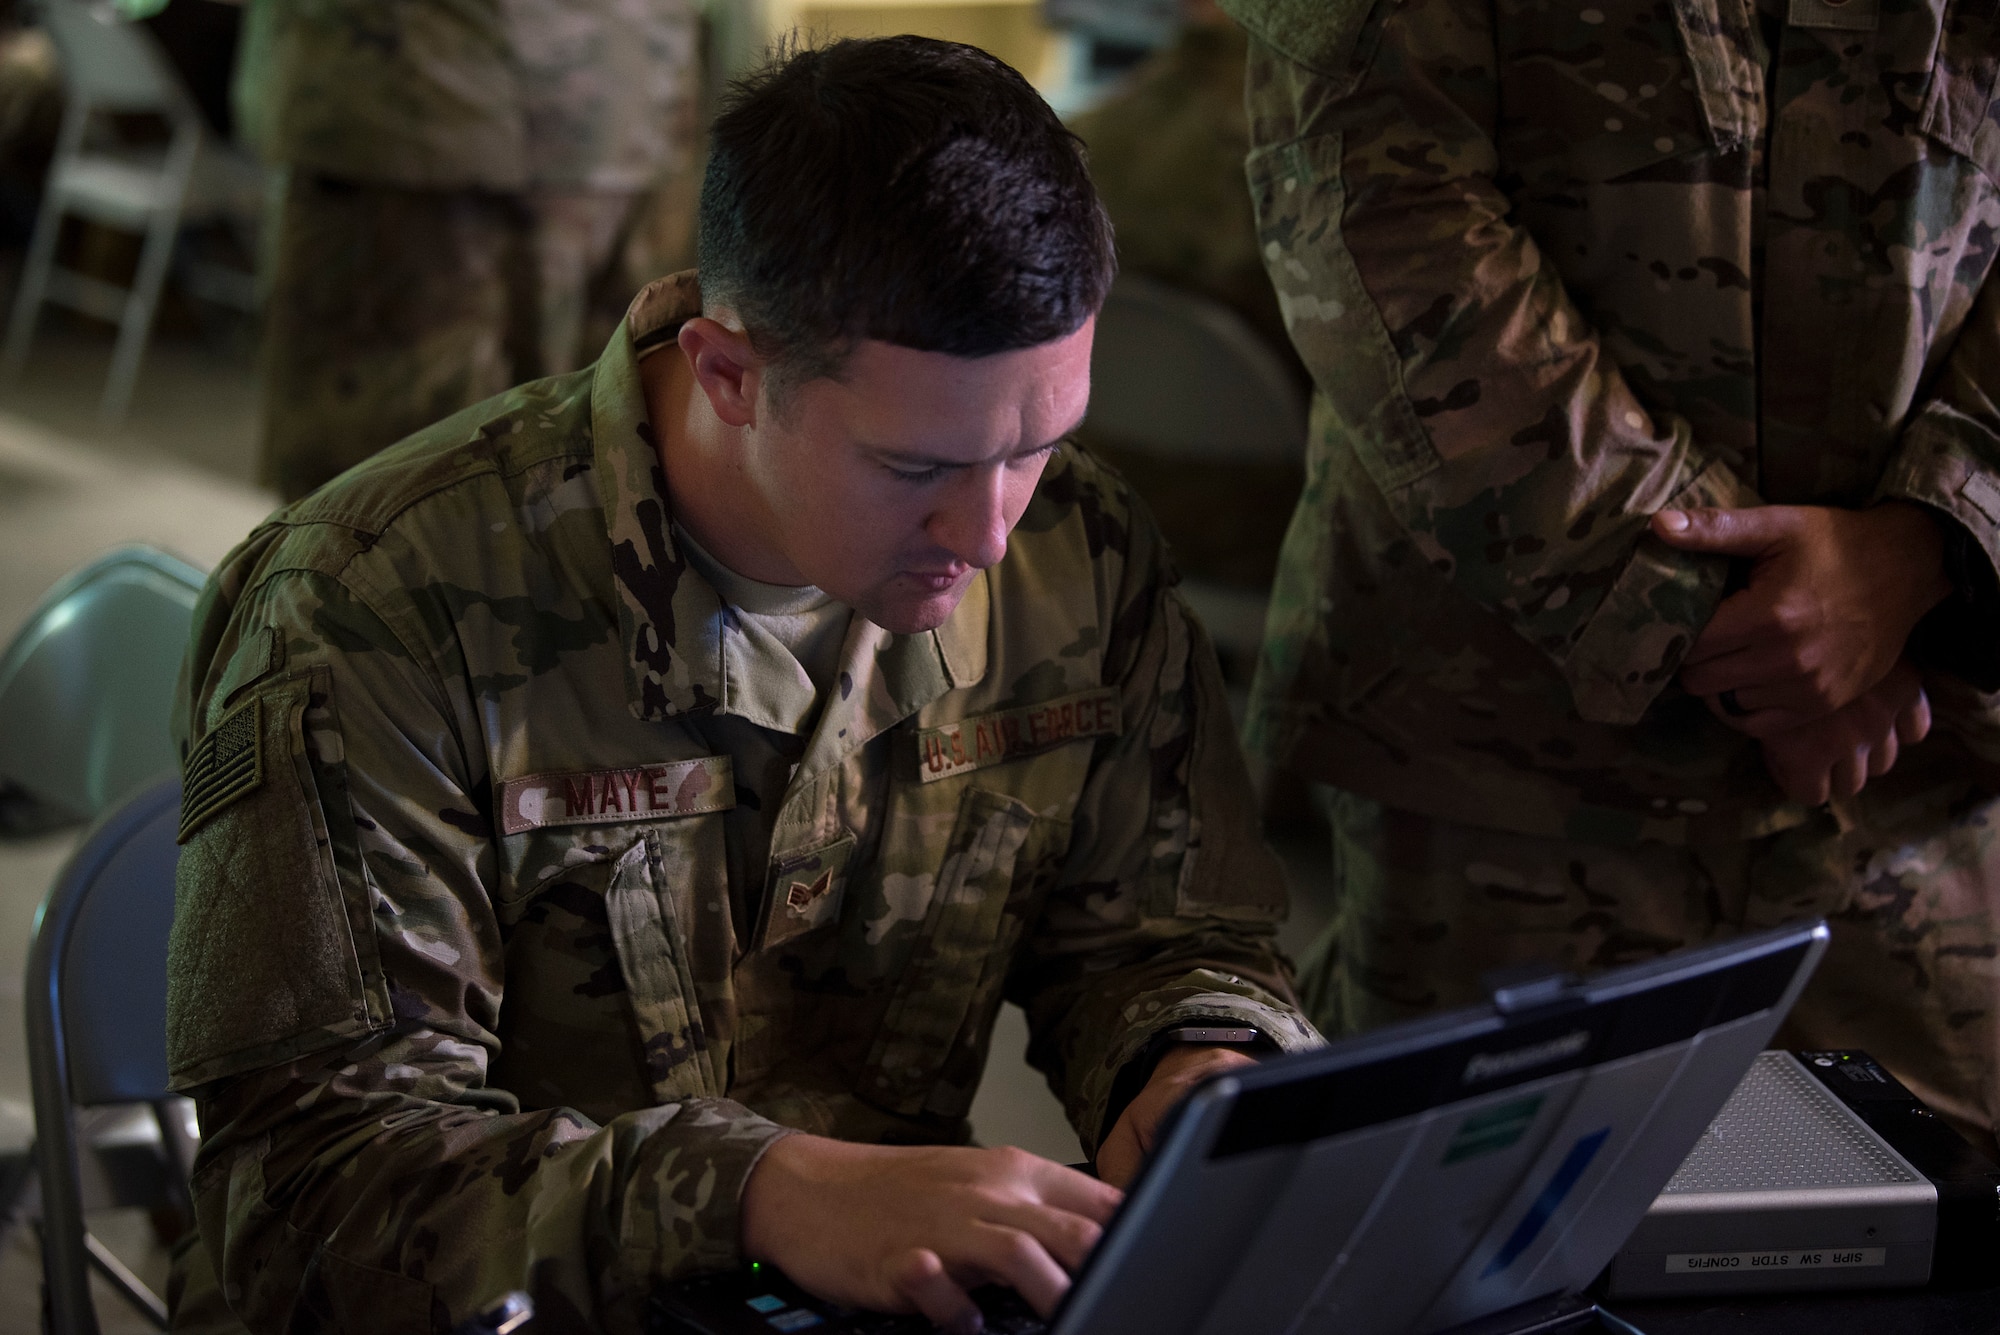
(1821,1172)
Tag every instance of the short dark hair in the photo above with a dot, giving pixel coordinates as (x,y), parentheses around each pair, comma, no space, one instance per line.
(904,189)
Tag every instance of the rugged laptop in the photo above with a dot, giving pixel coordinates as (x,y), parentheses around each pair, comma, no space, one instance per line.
(1470,1172)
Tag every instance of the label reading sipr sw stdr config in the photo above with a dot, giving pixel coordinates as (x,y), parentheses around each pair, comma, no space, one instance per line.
(1804,1258)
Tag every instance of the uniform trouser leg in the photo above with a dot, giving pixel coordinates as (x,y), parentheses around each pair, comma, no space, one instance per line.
(387,311)
(574,241)
(391,308)
(1908,878)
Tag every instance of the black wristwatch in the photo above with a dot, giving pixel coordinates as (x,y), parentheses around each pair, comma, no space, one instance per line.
(1216,1033)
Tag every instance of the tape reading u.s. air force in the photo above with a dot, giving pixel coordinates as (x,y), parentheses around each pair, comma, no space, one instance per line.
(226,765)
(988,739)
(608,796)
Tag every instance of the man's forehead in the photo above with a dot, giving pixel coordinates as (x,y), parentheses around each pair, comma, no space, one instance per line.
(910,399)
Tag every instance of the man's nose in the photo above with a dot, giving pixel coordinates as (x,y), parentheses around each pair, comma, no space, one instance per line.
(972,524)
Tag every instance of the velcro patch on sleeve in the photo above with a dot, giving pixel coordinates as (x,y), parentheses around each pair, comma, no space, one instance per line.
(612,796)
(988,739)
(228,764)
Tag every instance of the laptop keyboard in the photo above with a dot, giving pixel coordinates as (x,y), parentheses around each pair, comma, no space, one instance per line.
(761,1301)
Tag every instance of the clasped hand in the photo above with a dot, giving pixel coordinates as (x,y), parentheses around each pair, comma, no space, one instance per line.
(896,1228)
(1809,656)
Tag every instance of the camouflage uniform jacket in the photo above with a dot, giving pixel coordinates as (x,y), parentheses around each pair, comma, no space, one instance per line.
(489,94)
(1555,268)
(481,973)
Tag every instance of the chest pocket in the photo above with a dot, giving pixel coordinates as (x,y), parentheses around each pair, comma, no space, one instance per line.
(618,966)
(931,1048)
(1597,101)
(1959,110)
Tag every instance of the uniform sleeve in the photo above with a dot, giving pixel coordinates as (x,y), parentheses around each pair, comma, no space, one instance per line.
(336,979)
(1948,458)
(1166,909)
(1453,362)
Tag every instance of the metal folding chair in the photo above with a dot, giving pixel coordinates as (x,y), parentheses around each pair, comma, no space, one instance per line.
(96,1016)
(86,687)
(1180,376)
(111,66)
(86,691)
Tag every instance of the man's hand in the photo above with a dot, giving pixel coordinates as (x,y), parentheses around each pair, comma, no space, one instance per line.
(899,1228)
(1831,601)
(1837,755)
(1179,1071)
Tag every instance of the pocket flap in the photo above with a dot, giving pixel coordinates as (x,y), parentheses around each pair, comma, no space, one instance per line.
(652,953)
(948,960)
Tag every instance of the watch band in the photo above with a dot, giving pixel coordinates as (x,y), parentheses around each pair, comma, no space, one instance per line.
(1132,1077)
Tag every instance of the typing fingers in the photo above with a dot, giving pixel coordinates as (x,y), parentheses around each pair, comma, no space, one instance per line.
(921,1279)
(1067,1238)
(1913,724)
(997,1253)
(1078,1193)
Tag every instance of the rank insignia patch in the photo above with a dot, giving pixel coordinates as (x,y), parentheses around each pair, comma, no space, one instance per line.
(807,889)
(800,897)
(227,765)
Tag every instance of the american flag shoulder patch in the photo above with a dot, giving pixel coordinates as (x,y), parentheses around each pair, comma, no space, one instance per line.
(227,765)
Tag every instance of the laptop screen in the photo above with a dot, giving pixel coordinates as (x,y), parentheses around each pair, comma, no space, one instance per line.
(1426,1175)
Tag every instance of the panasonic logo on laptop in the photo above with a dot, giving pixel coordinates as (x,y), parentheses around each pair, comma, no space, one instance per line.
(1492,1065)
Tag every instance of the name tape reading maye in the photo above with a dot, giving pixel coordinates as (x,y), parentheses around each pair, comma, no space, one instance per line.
(608,796)
(988,739)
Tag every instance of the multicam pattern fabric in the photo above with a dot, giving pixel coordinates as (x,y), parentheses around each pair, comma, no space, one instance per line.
(1904,877)
(391,308)
(1555,268)
(444,1046)
(494,94)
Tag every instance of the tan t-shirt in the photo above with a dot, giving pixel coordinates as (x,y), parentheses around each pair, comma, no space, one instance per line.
(807,623)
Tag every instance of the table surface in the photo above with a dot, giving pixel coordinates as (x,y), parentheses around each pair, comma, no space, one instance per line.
(1906,1312)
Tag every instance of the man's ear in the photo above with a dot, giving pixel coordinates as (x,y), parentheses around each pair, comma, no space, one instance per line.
(726,367)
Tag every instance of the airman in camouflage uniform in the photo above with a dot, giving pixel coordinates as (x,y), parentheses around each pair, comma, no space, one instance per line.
(1555,269)
(463,183)
(526,899)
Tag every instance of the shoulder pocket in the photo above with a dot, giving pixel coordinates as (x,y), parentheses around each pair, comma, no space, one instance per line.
(272,951)
(1299,196)
(1229,870)
(1334,37)
(1959,109)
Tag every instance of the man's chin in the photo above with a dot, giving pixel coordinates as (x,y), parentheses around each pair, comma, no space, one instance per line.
(912,615)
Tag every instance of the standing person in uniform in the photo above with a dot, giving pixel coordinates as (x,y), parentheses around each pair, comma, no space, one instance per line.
(614,816)
(461,182)
(1608,307)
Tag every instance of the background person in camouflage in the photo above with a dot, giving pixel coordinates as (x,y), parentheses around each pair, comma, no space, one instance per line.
(465,182)
(1558,270)
(556,912)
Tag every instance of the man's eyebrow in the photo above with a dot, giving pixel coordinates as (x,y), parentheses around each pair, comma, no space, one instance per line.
(928,461)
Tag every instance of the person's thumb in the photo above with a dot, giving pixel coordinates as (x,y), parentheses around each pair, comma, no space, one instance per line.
(1749,532)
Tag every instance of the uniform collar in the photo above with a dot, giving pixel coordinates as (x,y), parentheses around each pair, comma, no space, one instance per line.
(671,620)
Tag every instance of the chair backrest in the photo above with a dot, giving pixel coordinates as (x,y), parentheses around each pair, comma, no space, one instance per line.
(99,959)
(86,688)
(109,63)
(1178,374)
(96,1009)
